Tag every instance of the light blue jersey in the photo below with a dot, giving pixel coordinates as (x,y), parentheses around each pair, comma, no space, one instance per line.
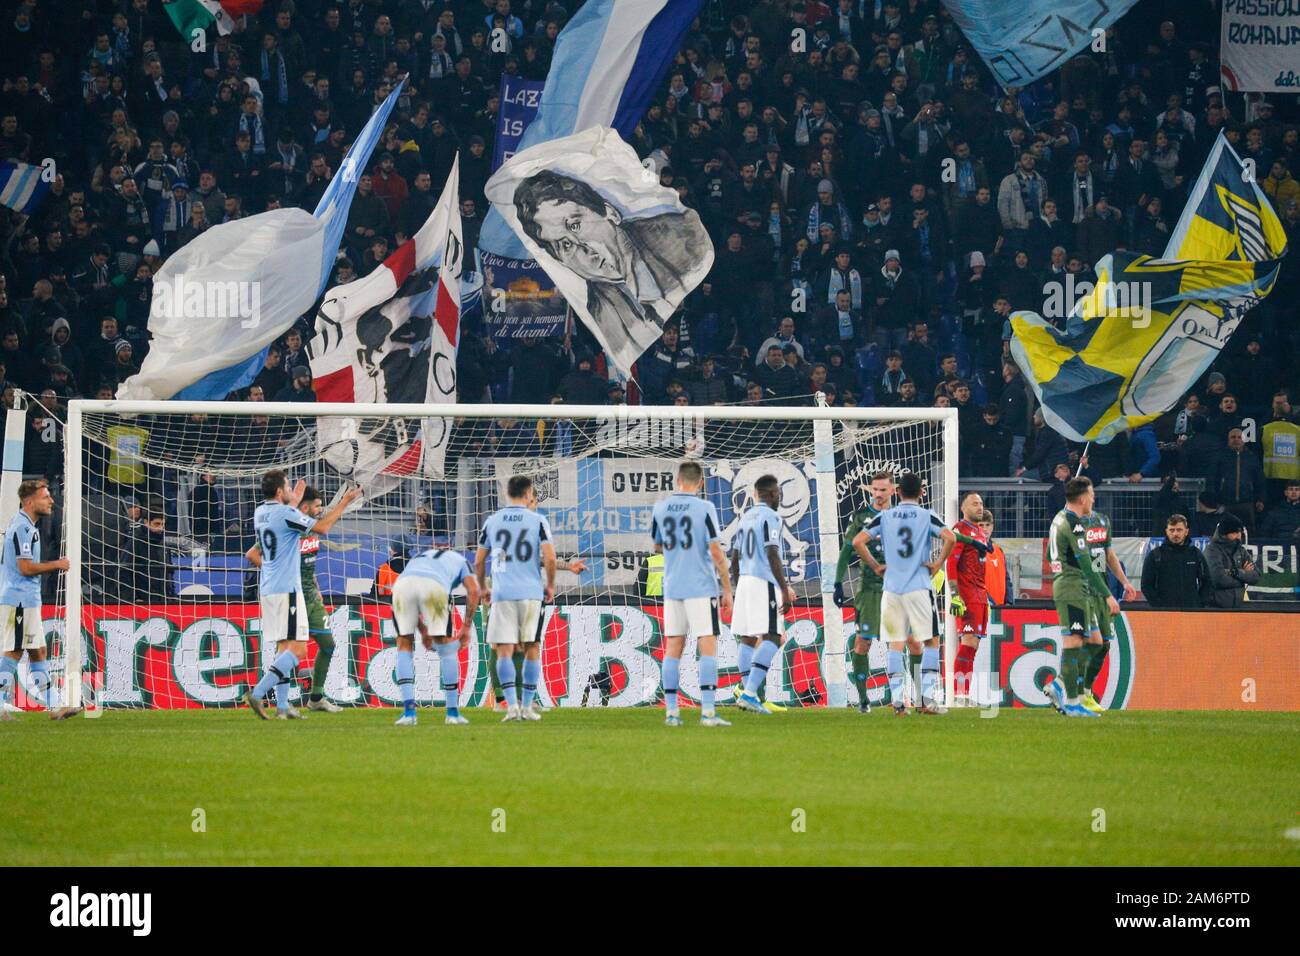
(22,540)
(904,532)
(759,529)
(278,528)
(514,536)
(445,566)
(684,525)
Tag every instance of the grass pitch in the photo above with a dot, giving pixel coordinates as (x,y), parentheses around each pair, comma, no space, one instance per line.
(617,787)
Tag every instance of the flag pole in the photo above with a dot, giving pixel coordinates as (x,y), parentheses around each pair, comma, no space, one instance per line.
(1083,457)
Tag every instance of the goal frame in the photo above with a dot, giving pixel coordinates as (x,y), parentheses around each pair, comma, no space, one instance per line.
(821,416)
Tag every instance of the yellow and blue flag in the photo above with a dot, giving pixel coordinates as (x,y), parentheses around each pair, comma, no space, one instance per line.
(1150,327)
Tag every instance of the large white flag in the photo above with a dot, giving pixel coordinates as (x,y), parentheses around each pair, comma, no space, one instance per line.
(373,344)
(621,248)
(227,294)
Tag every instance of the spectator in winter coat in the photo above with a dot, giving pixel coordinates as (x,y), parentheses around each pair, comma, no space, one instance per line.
(1046,449)
(299,389)
(1198,455)
(1144,454)
(1231,570)
(1283,519)
(1175,574)
(778,380)
(1015,405)
(666,360)
(713,386)
(989,445)
(390,186)
(1238,480)
(583,386)
(894,298)
(1100,233)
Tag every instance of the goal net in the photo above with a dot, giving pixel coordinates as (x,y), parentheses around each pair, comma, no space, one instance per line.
(159,498)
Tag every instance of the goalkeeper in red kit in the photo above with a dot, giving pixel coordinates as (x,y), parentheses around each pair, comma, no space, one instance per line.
(970,598)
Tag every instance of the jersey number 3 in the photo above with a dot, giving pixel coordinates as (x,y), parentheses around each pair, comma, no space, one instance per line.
(906,534)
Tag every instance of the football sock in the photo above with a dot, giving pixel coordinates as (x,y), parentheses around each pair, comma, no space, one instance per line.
(708,682)
(1070,674)
(758,669)
(963,665)
(406,678)
(279,670)
(40,672)
(450,670)
(1096,658)
(324,654)
(8,678)
(914,667)
(1083,659)
(672,675)
(497,693)
(744,657)
(506,671)
(517,658)
(532,675)
(897,677)
(929,674)
(861,671)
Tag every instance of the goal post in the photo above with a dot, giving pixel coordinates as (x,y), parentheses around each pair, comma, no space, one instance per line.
(157,512)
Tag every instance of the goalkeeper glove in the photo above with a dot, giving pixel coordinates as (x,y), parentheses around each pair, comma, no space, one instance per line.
(840,599)
(938,580)
(957,606)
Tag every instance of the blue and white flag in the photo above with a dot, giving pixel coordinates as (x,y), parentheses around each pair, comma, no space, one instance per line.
(1023,42)
(21,186)
(207,360)
(608,61)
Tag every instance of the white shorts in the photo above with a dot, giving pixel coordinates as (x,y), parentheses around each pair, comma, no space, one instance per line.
(691,617)
(416,599)
(284,617)
(514,622)
(759,608)
(21,628)
(914,611)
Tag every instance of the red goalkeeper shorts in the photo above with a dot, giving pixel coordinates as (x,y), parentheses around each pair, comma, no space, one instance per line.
(975,620)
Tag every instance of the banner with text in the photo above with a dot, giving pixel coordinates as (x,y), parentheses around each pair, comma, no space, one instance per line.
(1260,43)
(519,300)
(519,101)
(189,656)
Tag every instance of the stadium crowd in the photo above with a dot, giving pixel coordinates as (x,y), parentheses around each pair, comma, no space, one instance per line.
(847,262)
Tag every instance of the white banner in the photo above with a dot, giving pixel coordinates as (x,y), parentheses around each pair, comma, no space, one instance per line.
(1261,46)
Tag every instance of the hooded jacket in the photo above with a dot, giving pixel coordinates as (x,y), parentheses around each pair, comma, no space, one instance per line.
(1228,575)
